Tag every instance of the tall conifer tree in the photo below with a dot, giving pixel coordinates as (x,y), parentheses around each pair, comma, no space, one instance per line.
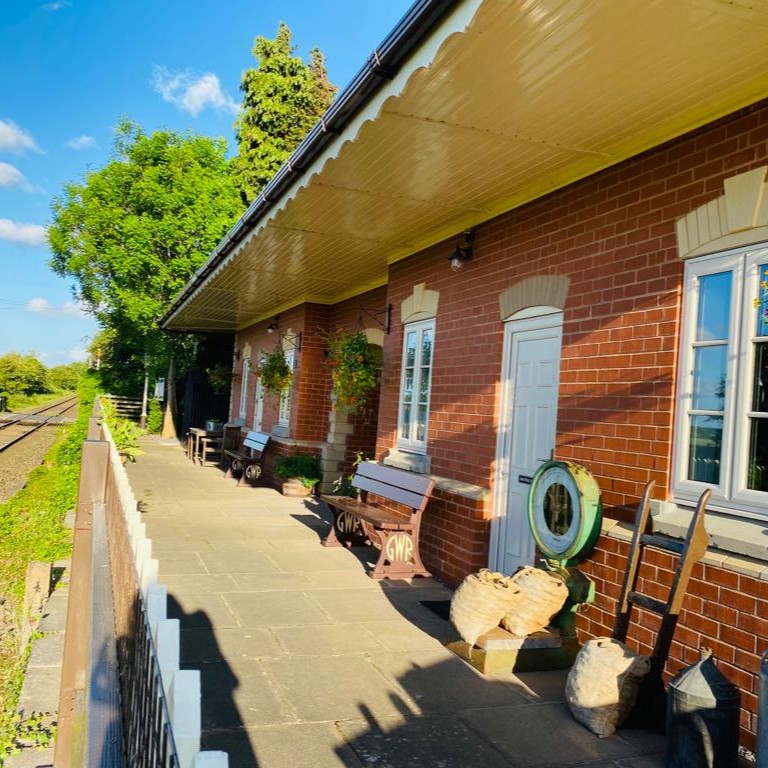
(282,99)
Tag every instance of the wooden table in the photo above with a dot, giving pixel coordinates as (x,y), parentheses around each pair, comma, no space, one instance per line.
(195,435)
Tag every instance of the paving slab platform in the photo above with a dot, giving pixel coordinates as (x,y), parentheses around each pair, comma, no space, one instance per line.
(307,662)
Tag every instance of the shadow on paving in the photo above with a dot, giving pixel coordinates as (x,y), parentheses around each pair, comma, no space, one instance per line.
(463,719)
(218,683)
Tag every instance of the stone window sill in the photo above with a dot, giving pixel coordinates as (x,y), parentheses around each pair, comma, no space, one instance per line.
(738,545)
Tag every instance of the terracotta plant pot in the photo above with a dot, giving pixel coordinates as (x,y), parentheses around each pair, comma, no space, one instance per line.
(293,487)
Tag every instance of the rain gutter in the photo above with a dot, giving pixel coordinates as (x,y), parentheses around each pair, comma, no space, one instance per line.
(380,67)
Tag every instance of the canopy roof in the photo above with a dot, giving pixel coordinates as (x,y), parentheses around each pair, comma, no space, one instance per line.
(496,103)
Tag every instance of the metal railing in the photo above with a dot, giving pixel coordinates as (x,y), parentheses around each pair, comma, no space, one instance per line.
(124,700)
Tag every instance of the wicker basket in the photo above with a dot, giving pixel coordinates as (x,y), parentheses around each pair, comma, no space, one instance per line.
(480,602)
(542,595)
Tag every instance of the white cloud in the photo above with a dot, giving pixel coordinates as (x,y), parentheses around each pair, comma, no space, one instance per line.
(24,234)
(82,142)
(192,94)
(15,139)
(78,355)
(39,305)
(73,308)
(10,176)
(57,5)
(42,306)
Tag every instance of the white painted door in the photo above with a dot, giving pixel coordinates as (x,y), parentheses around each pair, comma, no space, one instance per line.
(531,373)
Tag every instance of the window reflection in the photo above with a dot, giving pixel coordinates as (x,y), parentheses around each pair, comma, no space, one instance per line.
(714,307)
(706,441)
(709,378)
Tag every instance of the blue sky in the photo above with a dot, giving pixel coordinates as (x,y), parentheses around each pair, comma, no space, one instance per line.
(71,68)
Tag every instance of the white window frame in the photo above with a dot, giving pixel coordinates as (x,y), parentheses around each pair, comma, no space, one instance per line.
(284,408)
(411,443)
(730,495)
(244,381)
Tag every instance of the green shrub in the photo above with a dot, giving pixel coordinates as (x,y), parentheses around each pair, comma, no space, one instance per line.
(155,417)
(124,432)
(303,466)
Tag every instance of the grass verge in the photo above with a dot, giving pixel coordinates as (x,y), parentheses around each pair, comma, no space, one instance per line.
(19,403)
(31,529)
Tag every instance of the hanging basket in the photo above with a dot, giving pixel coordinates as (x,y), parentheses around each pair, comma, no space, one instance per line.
(274,372)
(356,368)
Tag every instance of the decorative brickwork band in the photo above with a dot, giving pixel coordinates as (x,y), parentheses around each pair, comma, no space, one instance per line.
(420,305)
(739,217)
(536,291)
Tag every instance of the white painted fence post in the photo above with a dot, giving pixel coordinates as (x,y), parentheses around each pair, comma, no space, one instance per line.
(157,606)
(184,704)
(168,655)
(211,760)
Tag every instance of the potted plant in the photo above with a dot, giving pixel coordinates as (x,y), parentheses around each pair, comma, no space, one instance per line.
(356,368)
(275,373)
(300,473)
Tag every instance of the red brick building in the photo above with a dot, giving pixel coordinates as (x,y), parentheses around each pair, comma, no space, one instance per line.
(611,164)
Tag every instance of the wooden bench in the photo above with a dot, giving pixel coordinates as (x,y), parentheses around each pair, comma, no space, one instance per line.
(357,522)
(249,462)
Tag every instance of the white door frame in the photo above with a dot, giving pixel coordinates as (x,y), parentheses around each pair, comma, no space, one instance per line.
(529,319)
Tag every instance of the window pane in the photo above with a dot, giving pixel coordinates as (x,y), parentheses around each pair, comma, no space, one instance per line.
(410,350)
(405,431)
(762,306)
(706,444)
(760,384)
(421,425)
(426,348)
(714,307)
(757,469)
(408,386)
(709,378)
(424,385)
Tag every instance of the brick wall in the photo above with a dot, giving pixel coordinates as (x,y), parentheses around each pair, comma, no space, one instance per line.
(613,235)
(723,610)
(455,534)
(311,392)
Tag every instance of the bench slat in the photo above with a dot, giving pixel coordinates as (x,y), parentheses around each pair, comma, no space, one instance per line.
(420,484)
(375,515)
(400,495)
(256,441)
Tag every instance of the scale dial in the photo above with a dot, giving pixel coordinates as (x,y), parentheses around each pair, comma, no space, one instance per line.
(564,511)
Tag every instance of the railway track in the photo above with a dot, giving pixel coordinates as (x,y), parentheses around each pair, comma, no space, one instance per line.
(14,427)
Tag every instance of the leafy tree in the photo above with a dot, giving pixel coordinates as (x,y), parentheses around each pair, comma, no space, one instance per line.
(132,233)
(283,98)
(66,376)
(22,375)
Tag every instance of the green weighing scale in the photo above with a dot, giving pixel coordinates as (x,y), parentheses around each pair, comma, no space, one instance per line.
(565,515)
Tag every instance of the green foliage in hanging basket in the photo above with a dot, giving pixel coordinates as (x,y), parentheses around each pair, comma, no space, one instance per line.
(275,373)
(356,368)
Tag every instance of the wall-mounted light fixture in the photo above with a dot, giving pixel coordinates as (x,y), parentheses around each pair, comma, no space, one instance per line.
(463,252)
(272,327)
